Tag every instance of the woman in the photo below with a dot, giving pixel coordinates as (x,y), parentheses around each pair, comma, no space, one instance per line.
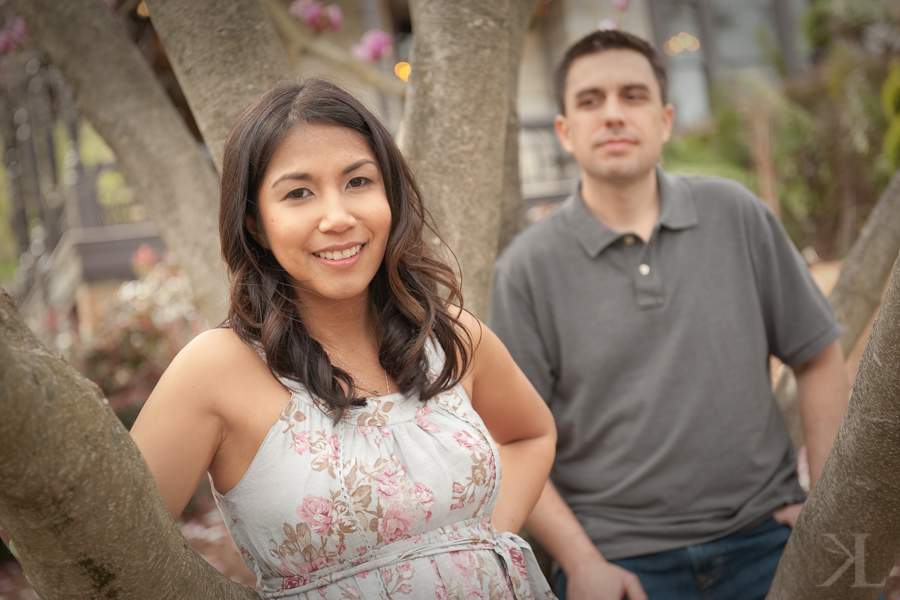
(350,416)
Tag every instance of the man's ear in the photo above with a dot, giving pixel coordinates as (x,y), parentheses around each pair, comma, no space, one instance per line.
(561,125)
(668,121)
(257,232)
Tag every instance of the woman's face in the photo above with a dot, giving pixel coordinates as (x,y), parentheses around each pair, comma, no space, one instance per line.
(324,213)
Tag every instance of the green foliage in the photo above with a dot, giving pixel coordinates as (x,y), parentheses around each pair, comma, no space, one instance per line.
(890,107)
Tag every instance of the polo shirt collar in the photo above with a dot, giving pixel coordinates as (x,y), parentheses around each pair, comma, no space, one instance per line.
(676,211)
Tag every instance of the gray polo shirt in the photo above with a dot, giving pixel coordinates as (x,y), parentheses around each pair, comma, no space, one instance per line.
(654,359)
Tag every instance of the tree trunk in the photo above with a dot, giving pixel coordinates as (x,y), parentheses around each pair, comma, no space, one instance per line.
(225,54)
(851,518)
(512,214)
(857,293)
(455,124)
(76,496)
(117,92)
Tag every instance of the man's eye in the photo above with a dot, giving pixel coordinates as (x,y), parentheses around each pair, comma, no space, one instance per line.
(358,182)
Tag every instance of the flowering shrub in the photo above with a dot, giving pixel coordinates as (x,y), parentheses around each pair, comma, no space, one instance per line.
(146,323)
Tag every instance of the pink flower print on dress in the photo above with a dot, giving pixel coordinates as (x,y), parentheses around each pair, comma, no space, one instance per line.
(301,442)
(466,440)
(425,497)
(463,563)
(364,431)
(396,522)
(474,595)
(406,569)
(387,575)
(331,448)
(405,589)
(389,485)
(319,514)
(518,560)
(440,592)
(424,423)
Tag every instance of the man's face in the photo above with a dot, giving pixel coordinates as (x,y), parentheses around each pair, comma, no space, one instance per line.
(615,123)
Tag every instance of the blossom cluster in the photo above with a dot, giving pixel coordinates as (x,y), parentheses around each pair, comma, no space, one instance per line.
(374,45)
(13,34)
(316,15)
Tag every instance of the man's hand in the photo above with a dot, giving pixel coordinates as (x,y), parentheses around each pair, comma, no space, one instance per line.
(787,515)
(603,581)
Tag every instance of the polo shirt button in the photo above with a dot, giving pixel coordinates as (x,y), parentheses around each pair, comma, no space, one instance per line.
(644,269)
(629,240)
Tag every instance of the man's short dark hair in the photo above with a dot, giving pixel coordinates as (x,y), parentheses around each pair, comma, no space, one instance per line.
(599,41)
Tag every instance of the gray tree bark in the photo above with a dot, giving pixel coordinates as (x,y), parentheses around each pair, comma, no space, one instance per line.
(225,54)
(512,215)
(846,541)
(76,496)
(454,128)
(117,92)
(857,293)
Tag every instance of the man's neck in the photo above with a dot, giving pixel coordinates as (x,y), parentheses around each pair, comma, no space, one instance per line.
(624,206)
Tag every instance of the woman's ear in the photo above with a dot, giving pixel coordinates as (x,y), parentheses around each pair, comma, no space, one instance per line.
(256,231)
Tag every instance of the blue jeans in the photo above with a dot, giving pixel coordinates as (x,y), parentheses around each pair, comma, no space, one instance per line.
(739,566)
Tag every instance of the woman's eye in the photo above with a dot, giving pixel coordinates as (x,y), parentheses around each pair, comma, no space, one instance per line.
(358,182)
(298,193)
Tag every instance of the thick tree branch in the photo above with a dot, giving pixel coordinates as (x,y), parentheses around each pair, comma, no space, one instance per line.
(225,55)
(100,528)
(455,125)
(116,90)
(852,514)
(857,293)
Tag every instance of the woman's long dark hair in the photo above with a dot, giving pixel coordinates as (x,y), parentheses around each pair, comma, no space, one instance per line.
(405,295)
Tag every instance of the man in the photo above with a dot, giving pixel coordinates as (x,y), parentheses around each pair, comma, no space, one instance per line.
(644,310)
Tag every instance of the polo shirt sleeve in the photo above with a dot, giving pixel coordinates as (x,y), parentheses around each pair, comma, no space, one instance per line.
(513,318)
(798,318)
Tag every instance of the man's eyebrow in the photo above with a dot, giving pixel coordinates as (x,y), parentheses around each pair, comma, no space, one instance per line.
(630,87)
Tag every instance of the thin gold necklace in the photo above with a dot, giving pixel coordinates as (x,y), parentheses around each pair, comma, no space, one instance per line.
(358,382)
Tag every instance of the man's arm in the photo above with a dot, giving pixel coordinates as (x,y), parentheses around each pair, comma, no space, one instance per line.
(823,393)
(588,574)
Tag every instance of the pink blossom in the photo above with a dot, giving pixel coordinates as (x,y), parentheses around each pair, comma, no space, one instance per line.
(319,514)
(13,35)
(334,15)
(374,45)
(405,569)
(364,431)
(440,592)
(457,487)
(387,575)
(388,484)
(316,16)
(396,522)
(466,440)
(386,431)
(405,589)
(608,25)
(341,548)
(301,442)
(621,4)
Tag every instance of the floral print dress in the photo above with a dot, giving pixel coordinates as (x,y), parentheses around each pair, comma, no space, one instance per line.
(393,502)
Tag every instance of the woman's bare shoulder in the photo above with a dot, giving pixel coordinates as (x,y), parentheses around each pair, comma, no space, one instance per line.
(218,357)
